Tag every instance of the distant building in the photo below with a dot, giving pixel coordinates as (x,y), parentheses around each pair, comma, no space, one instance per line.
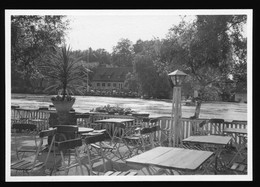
(110,78)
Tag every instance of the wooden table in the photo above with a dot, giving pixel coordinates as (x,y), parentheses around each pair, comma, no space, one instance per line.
(218,142)
(178,159)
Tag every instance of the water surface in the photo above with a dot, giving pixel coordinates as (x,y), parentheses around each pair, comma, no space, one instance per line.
(225,110)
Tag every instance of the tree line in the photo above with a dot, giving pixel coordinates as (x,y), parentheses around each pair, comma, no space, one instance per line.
(211,49)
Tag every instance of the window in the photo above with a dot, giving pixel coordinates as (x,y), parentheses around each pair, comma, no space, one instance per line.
(108,84)
(103,84)
(98,84)
(114,84)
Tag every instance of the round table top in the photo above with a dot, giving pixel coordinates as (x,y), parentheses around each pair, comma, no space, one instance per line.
(84,129)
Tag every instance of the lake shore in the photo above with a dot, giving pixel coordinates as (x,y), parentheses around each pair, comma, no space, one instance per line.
(225,110)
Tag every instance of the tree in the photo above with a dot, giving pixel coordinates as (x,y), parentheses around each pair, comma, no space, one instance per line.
(30,38)
(122,54)
(205,50)
(103,57)
(132,82)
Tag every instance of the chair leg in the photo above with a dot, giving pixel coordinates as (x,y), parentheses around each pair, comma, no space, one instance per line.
(78,160)
(103,159)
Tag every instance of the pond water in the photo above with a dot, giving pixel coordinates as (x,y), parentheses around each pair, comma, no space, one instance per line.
(225,110)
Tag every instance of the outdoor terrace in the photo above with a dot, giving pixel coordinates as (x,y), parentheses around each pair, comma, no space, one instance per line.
(189,127)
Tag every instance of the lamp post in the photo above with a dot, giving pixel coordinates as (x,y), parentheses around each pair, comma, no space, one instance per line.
(177,78)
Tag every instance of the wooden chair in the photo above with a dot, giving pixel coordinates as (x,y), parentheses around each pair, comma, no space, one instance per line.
(119,133)
(22,131)
(95,149)
(28,166)
(140,141)
(68,148)
(241,150)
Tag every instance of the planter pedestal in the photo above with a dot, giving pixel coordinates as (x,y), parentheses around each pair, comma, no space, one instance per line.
(60,118)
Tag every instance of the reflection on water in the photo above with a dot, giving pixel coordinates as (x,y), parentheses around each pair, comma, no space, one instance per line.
(224,110)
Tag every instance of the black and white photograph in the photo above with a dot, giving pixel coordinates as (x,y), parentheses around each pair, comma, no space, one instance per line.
(128,95)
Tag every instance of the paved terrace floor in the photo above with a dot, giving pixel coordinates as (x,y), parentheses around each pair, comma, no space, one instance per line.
(113,164)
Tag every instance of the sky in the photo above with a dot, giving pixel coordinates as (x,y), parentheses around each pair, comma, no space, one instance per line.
(105,31)
(104,28)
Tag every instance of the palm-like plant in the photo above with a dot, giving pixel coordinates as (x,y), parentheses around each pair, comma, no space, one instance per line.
(64,73)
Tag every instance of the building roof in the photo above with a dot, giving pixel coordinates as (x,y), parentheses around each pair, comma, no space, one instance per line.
(111,74)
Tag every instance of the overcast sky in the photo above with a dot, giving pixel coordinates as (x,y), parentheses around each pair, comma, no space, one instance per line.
(103,29)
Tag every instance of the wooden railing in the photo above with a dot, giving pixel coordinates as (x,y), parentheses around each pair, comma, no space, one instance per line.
(192,126)
(189,126)
(27,115)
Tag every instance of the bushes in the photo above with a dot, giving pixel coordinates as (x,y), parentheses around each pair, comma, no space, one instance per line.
(113,110)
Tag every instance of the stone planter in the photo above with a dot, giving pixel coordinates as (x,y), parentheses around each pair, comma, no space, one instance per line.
(63,116)
(63,106)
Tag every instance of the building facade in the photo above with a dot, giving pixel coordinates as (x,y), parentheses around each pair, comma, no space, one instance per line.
(110,78)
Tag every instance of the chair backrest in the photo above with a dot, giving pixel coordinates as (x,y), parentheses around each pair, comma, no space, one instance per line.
(65,132)
(67,128)
(69,144)
(45,133)
(95,138)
